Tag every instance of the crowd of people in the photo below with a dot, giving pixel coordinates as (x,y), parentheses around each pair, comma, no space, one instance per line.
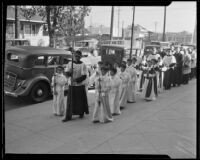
(116,85)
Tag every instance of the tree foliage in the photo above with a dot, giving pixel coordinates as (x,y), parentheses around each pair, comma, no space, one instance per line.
(63,20)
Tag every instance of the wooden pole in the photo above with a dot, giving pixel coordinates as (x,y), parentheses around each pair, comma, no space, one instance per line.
(118,20)
(164,24)
(111,24)
(123,30)
(132,32)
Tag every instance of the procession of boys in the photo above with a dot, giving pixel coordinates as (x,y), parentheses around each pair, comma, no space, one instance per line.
(119,84)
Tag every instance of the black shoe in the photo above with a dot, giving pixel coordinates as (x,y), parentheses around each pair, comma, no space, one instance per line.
(115,114)
(95,121)
(65,120)
(81,115)
(129,102)
(121,107)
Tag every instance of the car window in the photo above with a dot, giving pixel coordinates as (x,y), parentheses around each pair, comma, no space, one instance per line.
(40,60)
(52,60)
(13,57)
(110,52)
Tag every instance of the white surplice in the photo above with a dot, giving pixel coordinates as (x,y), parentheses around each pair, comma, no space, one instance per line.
(115,83)
(124,76)
(102,111)
(132,83)
(58,82)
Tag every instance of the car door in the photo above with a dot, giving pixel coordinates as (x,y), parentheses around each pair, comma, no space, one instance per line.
(39,66)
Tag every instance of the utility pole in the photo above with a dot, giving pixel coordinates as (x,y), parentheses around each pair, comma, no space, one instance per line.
(123,30)
(155,31)
(164,24)
(111,25)
(132,31)
(193,40)
(118,20)
(17,23)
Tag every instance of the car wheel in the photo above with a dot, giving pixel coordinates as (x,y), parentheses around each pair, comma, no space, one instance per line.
(39,92)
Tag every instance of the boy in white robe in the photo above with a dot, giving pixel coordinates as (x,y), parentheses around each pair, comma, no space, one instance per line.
(102,111)
(132,82)
(124,76)
(115,83)
(96,73)
(58,83)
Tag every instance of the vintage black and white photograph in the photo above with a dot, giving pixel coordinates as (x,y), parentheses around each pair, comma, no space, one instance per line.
(101,79)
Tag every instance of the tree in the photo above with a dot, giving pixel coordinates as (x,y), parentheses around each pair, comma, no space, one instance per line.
(71,21)
(63,20)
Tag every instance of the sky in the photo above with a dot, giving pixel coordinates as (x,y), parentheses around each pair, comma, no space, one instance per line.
(180,16)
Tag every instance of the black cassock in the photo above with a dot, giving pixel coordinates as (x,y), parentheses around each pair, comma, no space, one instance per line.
(77,103)
(169,77)
(178,68)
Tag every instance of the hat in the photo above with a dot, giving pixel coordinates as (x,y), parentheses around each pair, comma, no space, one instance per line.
(78,53)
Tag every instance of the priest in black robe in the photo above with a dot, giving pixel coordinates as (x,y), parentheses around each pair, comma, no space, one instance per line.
(178,68)
(77,103)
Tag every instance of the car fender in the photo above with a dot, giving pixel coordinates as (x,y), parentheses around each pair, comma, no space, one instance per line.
(31,82)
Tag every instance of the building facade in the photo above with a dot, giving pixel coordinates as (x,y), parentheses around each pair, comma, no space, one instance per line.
(180,37)
(29,29)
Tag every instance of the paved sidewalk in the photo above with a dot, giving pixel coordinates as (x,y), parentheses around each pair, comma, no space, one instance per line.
(164,126)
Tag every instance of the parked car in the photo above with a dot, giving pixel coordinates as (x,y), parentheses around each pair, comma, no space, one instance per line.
(29,70)
(117,51)
(161,44)
(186,46)
(149,48)
(86,46)
(17,42)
